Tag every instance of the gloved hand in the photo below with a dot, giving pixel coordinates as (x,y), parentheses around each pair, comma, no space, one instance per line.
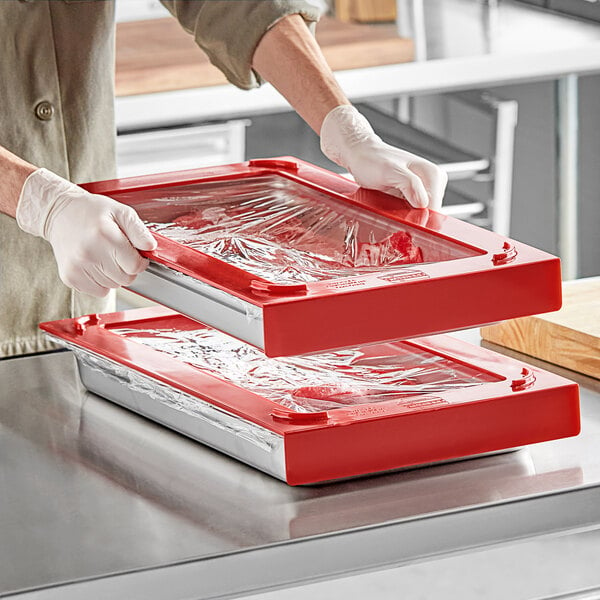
(348,140)
(94,238)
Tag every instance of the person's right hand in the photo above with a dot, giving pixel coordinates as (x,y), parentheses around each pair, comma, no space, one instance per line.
(94,238)
(348,140)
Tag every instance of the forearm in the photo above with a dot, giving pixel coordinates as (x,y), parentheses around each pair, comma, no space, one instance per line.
(14,172)
(290,59)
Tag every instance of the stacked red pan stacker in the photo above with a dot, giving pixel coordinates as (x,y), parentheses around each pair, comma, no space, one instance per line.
(297,287)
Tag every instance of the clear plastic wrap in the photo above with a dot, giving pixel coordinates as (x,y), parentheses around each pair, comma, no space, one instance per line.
(316,382)
(286,232)
(175,399)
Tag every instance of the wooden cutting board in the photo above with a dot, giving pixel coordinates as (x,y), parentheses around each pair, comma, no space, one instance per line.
(569,337)
(159,56)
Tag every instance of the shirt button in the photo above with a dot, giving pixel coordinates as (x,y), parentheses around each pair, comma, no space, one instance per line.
(44,111)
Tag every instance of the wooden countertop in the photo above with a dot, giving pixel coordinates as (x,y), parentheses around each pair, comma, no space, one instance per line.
(159,56)
(569,337)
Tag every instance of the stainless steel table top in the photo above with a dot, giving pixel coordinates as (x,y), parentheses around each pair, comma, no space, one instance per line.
(96,501)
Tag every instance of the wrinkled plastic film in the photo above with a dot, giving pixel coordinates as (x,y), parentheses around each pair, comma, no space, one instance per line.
(316,382)
(175,399)
(286,232)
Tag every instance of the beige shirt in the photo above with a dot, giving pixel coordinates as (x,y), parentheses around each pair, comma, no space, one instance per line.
(56,111)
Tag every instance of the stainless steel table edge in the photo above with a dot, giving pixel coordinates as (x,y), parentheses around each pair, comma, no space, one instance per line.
(333,555)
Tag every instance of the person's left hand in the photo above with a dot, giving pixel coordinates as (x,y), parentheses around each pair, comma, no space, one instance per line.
(348,139)
(95,239)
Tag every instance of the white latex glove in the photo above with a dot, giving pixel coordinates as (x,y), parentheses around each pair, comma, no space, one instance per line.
(348,140)
(94,238)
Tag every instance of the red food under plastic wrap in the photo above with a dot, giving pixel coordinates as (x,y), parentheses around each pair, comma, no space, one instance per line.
(287,239)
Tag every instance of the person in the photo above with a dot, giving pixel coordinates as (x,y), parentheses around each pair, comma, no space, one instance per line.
(63,249)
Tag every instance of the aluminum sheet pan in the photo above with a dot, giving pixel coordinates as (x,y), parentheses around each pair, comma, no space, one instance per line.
(191,416)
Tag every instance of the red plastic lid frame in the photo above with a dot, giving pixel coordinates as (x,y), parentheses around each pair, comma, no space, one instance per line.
(517,405)
(491,279)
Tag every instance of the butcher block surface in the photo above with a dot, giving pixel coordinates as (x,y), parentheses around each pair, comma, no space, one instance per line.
(569,337)
(159,56)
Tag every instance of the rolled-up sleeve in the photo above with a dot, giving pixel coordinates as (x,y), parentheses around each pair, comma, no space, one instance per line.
(229,30)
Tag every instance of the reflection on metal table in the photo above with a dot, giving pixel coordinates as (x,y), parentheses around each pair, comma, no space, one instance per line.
(98,502)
